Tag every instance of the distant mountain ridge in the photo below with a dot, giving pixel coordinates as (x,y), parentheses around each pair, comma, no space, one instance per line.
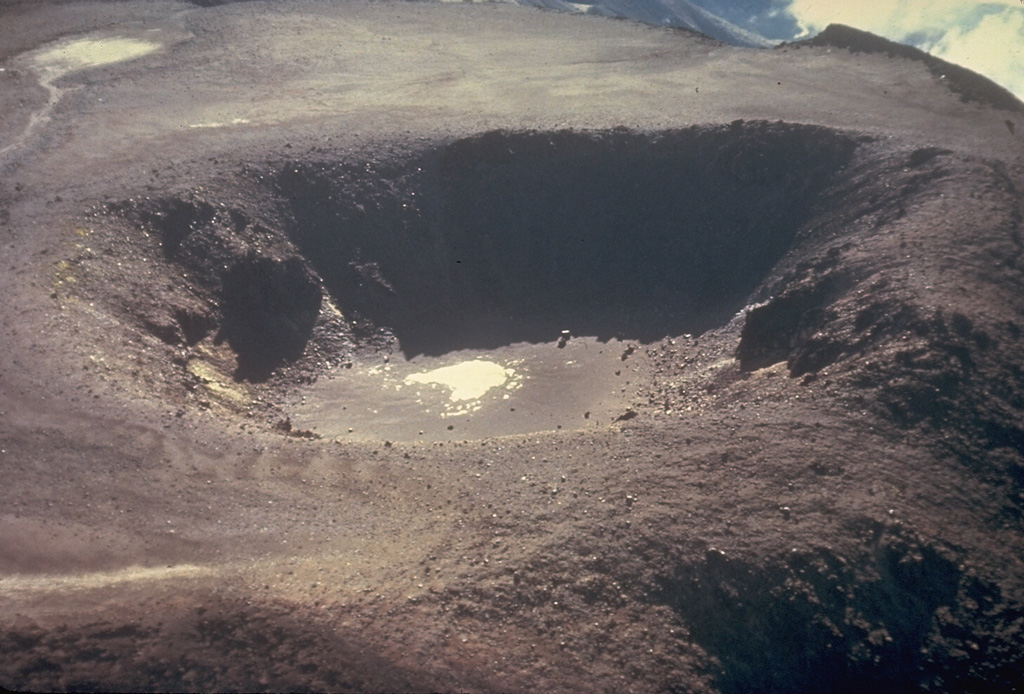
(670,13)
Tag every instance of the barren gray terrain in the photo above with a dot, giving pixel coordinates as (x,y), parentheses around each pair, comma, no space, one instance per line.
(400,346)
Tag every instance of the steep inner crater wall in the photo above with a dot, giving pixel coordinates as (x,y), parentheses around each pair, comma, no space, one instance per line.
(513,237)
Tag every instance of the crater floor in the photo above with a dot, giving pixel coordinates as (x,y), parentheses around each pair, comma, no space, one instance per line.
(520,389)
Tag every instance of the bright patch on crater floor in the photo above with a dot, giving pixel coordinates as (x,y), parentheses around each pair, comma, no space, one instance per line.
(468,380)
(517,389)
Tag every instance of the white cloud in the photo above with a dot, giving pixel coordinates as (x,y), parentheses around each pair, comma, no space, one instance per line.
(986,37)
(893,17)
(995,48)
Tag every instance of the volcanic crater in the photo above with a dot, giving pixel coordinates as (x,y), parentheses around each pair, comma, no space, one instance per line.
(494,246)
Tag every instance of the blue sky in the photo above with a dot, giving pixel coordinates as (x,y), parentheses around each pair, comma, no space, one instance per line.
(987,37)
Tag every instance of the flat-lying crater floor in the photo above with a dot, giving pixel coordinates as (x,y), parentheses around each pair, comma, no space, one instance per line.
(473,394)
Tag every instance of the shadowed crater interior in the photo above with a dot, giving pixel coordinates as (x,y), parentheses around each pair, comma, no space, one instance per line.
(270,307)
(493,240)
(511,237)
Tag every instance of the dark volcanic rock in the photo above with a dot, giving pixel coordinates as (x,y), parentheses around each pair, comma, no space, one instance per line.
(269,307)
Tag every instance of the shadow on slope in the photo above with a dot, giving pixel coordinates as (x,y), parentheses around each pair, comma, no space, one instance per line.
(512,237)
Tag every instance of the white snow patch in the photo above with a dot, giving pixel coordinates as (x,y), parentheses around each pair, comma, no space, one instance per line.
(218,124)
(83,53)
(468,380)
